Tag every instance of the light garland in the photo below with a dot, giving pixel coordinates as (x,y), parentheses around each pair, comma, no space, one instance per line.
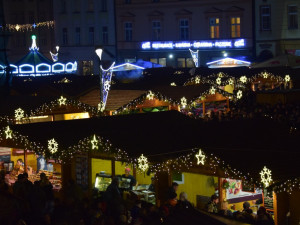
(266,176)
(200,157)
(62,100)
(143,163)
(19,114)
(8,133)
(52,146)
(27,27)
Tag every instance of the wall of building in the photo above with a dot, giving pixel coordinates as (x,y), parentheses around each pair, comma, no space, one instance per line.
(89,19)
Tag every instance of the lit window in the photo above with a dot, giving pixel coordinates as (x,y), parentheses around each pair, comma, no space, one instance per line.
(91,35)
(292,17)
(214,27)
(265,17)
(65,36)
(162,61)
(128,31)
(87,67)
(153,60)
(235,27)
(77,35)
(184,29)
(156,30)
(105,35)
(181,62)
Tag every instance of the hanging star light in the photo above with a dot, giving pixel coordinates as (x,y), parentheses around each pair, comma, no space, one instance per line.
(62,100)
(239,94)
(150,95)
(52,146)
(212,91)
(265,75)
(183,102)
(266,176)
(107,85)
(243,79)
(34,25)
(173,84)
(218,80)
(230,81)
(200,157)
(143,163)
(8,133)
(220,74)
(94,142)
(287,78)
(17,27)
(19,114)
(197,80)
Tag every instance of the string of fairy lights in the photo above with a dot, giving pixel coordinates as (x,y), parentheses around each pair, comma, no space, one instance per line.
(27,27)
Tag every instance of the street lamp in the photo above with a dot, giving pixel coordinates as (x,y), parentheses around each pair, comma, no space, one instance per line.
(99,52)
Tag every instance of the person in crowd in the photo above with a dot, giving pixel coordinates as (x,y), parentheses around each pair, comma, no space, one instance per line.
(127,175)
(37,202)
(183,201)
(136,213)
(152,185)
(48,190)
(18,168)
(212,206)
(17,187)
(247,213)
(225,211)
(169,206)
(263,217)
(172,190)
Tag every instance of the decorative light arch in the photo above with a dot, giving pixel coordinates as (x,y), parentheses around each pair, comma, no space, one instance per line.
(15,67)
(58,70)
(39,70)
(69,70)
(1,69)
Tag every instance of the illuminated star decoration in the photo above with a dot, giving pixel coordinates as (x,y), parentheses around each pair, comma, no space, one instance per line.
(243,79)
(150,95)
(212,91)
(143,163)
(183,102)
(19,114)
(287,78)
(107,85)
(265,75)
(34,25)
(173,84)
(220,74)
(8,133)
(52,146)
(266,176)
(197,80)
(94,142)
(218,80)
(200,157)
(239,94)
(17,27)
(101,107)
(230,82)
(62,100)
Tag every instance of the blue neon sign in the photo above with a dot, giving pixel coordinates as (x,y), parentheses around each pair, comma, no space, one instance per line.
(236,43)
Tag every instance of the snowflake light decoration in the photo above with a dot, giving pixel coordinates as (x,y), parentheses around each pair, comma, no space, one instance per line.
(212,91)
(287,78)
(8,133)
(143,163)
(150,95)
(19,114)
(52,146)
(243,79)
(218,80)
(266,176)
(94,142)
(62,100)
(101,107)
(106,86)
(239,94)
(200,157)
(183,102)
(265,75)
(220,74)
(197,80)
(230,81)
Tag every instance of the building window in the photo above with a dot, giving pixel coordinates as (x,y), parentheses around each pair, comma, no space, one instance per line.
(162,61)
(214,27)
(65,36)
(235,27)
(153,60)
(105,35)
(128,31)
(127,1)
(265,17)
(103,5)
(91,35)
(292,17)
(87,67)
(156,30)
(190,63)
(181,62)
(77,35)
(184,29)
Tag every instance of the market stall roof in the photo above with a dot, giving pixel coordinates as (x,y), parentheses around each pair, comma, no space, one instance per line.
(248,145)
(280,61)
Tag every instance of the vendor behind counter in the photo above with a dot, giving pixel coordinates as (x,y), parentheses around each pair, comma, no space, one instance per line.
(127,175)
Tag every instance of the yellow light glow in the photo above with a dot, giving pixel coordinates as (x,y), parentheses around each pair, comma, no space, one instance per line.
(212,91)
(101,107)
(19,114)
(173,84)
(150,95)
(62,100)
(197,80)
(266,176)
(8,133)
(265,75)
(200,157)
(239,94)
(183,102)
(94,142)
(287,78)
(243,79)
(143,163)
(218,81)
(52,146)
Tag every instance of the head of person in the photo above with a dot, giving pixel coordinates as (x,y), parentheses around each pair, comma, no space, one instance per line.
(262,210)
(19,162)
(173,199)
(183,196)
(20,177)
(115,181)
(127,172)
(138,203)
(214,199)
(43,176)
(152,180)
(175,186)
(25,175)
(246,205)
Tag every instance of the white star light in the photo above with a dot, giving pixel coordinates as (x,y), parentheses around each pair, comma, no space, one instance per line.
(266,176)
(218,81)
(230,81)
(173,84)
(19,114)
(220,74)
(200,157)
(52,146)
(239,94)
(183,102)
(212,91)
(94,142)
(143,163)
(197,80)
(287,78)
(243,79)
(265,75)
(62,100)
(8,133)
(150,95)
(107,86)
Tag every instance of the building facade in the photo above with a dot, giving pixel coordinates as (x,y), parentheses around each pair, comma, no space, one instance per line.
(25,18)
(163,31)
(277,28)
(82,26)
